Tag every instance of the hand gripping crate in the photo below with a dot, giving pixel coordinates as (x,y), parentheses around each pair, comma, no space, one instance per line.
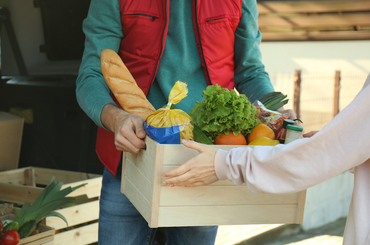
(44,237)
(221,203)
(23,185)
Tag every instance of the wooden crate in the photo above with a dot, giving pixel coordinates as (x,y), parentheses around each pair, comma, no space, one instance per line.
(221,203)
(22,185)
(46,235)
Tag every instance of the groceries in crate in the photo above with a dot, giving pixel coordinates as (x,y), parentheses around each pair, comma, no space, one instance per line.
(230,139)
(260,131)
(293,133)
(273,119)
(170,126)
(223,112)
(10,237)
(6,208)
(224,117)
(122,84)
(29,217)
(264,141)
(274,100)
(227,118)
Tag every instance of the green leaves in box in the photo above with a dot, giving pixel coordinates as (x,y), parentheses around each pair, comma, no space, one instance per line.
(274,100)
(51,198)
(223,111)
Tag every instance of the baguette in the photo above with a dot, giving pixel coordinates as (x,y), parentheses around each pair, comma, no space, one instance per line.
(123,85)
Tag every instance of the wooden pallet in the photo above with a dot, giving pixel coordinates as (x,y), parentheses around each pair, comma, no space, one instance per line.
(221,203)
(23,185)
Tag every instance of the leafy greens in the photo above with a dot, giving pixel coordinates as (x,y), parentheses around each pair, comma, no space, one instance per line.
(223,111)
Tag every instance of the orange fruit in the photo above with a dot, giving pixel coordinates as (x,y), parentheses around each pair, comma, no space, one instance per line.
(230,139)
(259,131)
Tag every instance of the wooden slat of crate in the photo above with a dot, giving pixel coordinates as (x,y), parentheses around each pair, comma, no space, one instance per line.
(231,195)
(312,6)
(83,235)
(48,235)
(210,205)
(142,204)
(19,193)
(226,215)
(145,200)
(145,185)
(92,189)
(77,214)
(43,175)
(49,243)
(15,177)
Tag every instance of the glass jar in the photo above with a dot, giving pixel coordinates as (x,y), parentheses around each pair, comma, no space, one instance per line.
(293,133)
(281,133)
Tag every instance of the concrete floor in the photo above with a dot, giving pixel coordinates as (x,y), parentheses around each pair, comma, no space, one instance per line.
(330,234)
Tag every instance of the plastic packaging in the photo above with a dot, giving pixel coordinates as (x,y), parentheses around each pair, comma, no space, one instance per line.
(170,126)
(273,119)
(293,133)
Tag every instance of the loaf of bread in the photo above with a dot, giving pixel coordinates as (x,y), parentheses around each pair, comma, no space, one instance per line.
(123,85)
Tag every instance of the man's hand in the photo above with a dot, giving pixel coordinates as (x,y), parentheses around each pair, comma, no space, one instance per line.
(310,134)
(290,113)
(198,171)
(128,128)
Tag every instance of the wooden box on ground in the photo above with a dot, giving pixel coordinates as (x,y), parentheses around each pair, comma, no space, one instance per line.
(23,185)
(221,203)
(11,129)
(44,237)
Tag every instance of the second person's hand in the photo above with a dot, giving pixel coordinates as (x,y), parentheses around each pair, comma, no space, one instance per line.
(197,171)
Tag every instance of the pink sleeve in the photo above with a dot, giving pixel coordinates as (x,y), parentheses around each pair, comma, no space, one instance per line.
(342,144)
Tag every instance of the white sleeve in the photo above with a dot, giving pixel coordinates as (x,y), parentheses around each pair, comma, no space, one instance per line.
(342,144)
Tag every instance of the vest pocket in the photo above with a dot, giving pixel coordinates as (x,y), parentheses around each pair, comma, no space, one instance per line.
(215,20)
(139,25)
(226,21)
(152,17)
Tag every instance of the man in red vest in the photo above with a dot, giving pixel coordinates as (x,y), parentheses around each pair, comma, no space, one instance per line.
(200,42)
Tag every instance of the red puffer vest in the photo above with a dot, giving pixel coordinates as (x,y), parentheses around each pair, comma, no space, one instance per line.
(145,26)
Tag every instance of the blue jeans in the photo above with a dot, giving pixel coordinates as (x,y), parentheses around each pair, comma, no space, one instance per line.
(121,224)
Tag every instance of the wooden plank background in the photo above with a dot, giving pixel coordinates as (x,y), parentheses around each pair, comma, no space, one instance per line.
(314,20)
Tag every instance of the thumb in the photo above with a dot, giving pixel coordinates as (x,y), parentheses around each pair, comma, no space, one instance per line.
(139,129)
(193,145)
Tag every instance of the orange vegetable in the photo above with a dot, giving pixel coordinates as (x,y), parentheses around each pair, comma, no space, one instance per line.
(230,139)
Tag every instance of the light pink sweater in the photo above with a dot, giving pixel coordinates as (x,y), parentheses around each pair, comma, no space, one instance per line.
(342,144)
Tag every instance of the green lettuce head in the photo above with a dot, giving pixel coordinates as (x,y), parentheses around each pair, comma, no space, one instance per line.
(223,111)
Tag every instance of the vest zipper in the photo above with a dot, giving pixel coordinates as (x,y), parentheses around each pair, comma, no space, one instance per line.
(215,19)
(146,15)
(161,52)
(200,42)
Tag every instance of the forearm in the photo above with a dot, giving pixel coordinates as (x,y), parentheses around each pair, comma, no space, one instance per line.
(339,146)
(111,116)
(250,77)
(92,95)
(102,29)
